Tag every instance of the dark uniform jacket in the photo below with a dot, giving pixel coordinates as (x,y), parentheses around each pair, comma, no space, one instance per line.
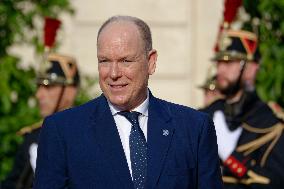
(258,160)
(21,176)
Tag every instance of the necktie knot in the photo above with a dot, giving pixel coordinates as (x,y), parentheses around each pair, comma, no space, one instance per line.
(132,117)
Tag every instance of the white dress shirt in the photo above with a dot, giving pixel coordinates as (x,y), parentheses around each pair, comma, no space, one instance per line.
(124,126)
(33,155)
(227,140)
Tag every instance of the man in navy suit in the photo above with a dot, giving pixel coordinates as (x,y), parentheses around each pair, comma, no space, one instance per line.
(127,138)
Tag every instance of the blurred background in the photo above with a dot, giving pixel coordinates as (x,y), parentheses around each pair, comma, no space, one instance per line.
(184,34)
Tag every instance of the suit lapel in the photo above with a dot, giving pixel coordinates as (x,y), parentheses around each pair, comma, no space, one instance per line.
(106,134)
(160,132)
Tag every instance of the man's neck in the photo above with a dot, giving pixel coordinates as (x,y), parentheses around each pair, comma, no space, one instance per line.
(117,108)
(236,97)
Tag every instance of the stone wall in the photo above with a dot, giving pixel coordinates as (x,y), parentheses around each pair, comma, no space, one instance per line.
(184,33)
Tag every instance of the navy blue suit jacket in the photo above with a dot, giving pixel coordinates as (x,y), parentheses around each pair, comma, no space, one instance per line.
(81,148)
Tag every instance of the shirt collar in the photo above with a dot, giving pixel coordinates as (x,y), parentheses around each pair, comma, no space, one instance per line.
(142,108)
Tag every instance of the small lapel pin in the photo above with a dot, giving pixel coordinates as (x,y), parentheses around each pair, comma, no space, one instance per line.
(166,132)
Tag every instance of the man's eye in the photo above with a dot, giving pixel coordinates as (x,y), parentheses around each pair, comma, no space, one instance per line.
(126,60)
(102,61)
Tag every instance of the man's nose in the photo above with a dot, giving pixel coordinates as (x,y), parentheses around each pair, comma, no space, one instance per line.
(221,68)
(39,92)
(115,70)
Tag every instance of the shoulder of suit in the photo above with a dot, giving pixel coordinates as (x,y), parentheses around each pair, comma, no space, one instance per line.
(176,106)
(30,128)
(277,110)
(81,109)
(182,111)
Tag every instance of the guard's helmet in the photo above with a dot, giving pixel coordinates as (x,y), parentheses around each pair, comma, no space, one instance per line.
(234,45)
(58,70)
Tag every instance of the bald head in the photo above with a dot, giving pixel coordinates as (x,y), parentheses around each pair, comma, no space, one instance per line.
(142,27)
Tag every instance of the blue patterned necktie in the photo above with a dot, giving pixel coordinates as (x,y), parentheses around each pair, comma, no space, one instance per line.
(138,150)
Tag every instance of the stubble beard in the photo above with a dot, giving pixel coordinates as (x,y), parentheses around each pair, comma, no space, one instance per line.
(231,89)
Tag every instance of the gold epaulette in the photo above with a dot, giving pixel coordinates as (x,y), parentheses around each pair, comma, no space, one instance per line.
(253,178)
(30,128)
(270,136)
(277,110)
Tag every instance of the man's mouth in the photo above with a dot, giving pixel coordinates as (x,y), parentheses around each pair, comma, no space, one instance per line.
(118,86)
(221,79)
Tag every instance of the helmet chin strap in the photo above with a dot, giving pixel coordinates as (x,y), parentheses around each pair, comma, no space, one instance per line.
(233,111)
(237,85)
(56,109)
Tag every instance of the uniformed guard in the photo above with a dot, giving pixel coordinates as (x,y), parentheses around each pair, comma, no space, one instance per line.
(57,80)
(249,133)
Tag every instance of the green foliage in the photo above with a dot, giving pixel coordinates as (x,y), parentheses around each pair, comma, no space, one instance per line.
(270,22)
(84,93)
(16,107)
(271,76)
(18,20)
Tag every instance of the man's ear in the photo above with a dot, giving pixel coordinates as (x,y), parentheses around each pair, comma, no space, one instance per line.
(253,67)
(152,59)
(256,67)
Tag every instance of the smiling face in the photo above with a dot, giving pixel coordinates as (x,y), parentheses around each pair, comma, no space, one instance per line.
(124,66)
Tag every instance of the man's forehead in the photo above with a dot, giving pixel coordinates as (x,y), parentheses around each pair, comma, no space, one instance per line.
(228,62)
(118,31)
(119,38)
(50,87)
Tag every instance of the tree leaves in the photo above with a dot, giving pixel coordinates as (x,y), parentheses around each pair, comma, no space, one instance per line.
(270,79)
(18,25)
